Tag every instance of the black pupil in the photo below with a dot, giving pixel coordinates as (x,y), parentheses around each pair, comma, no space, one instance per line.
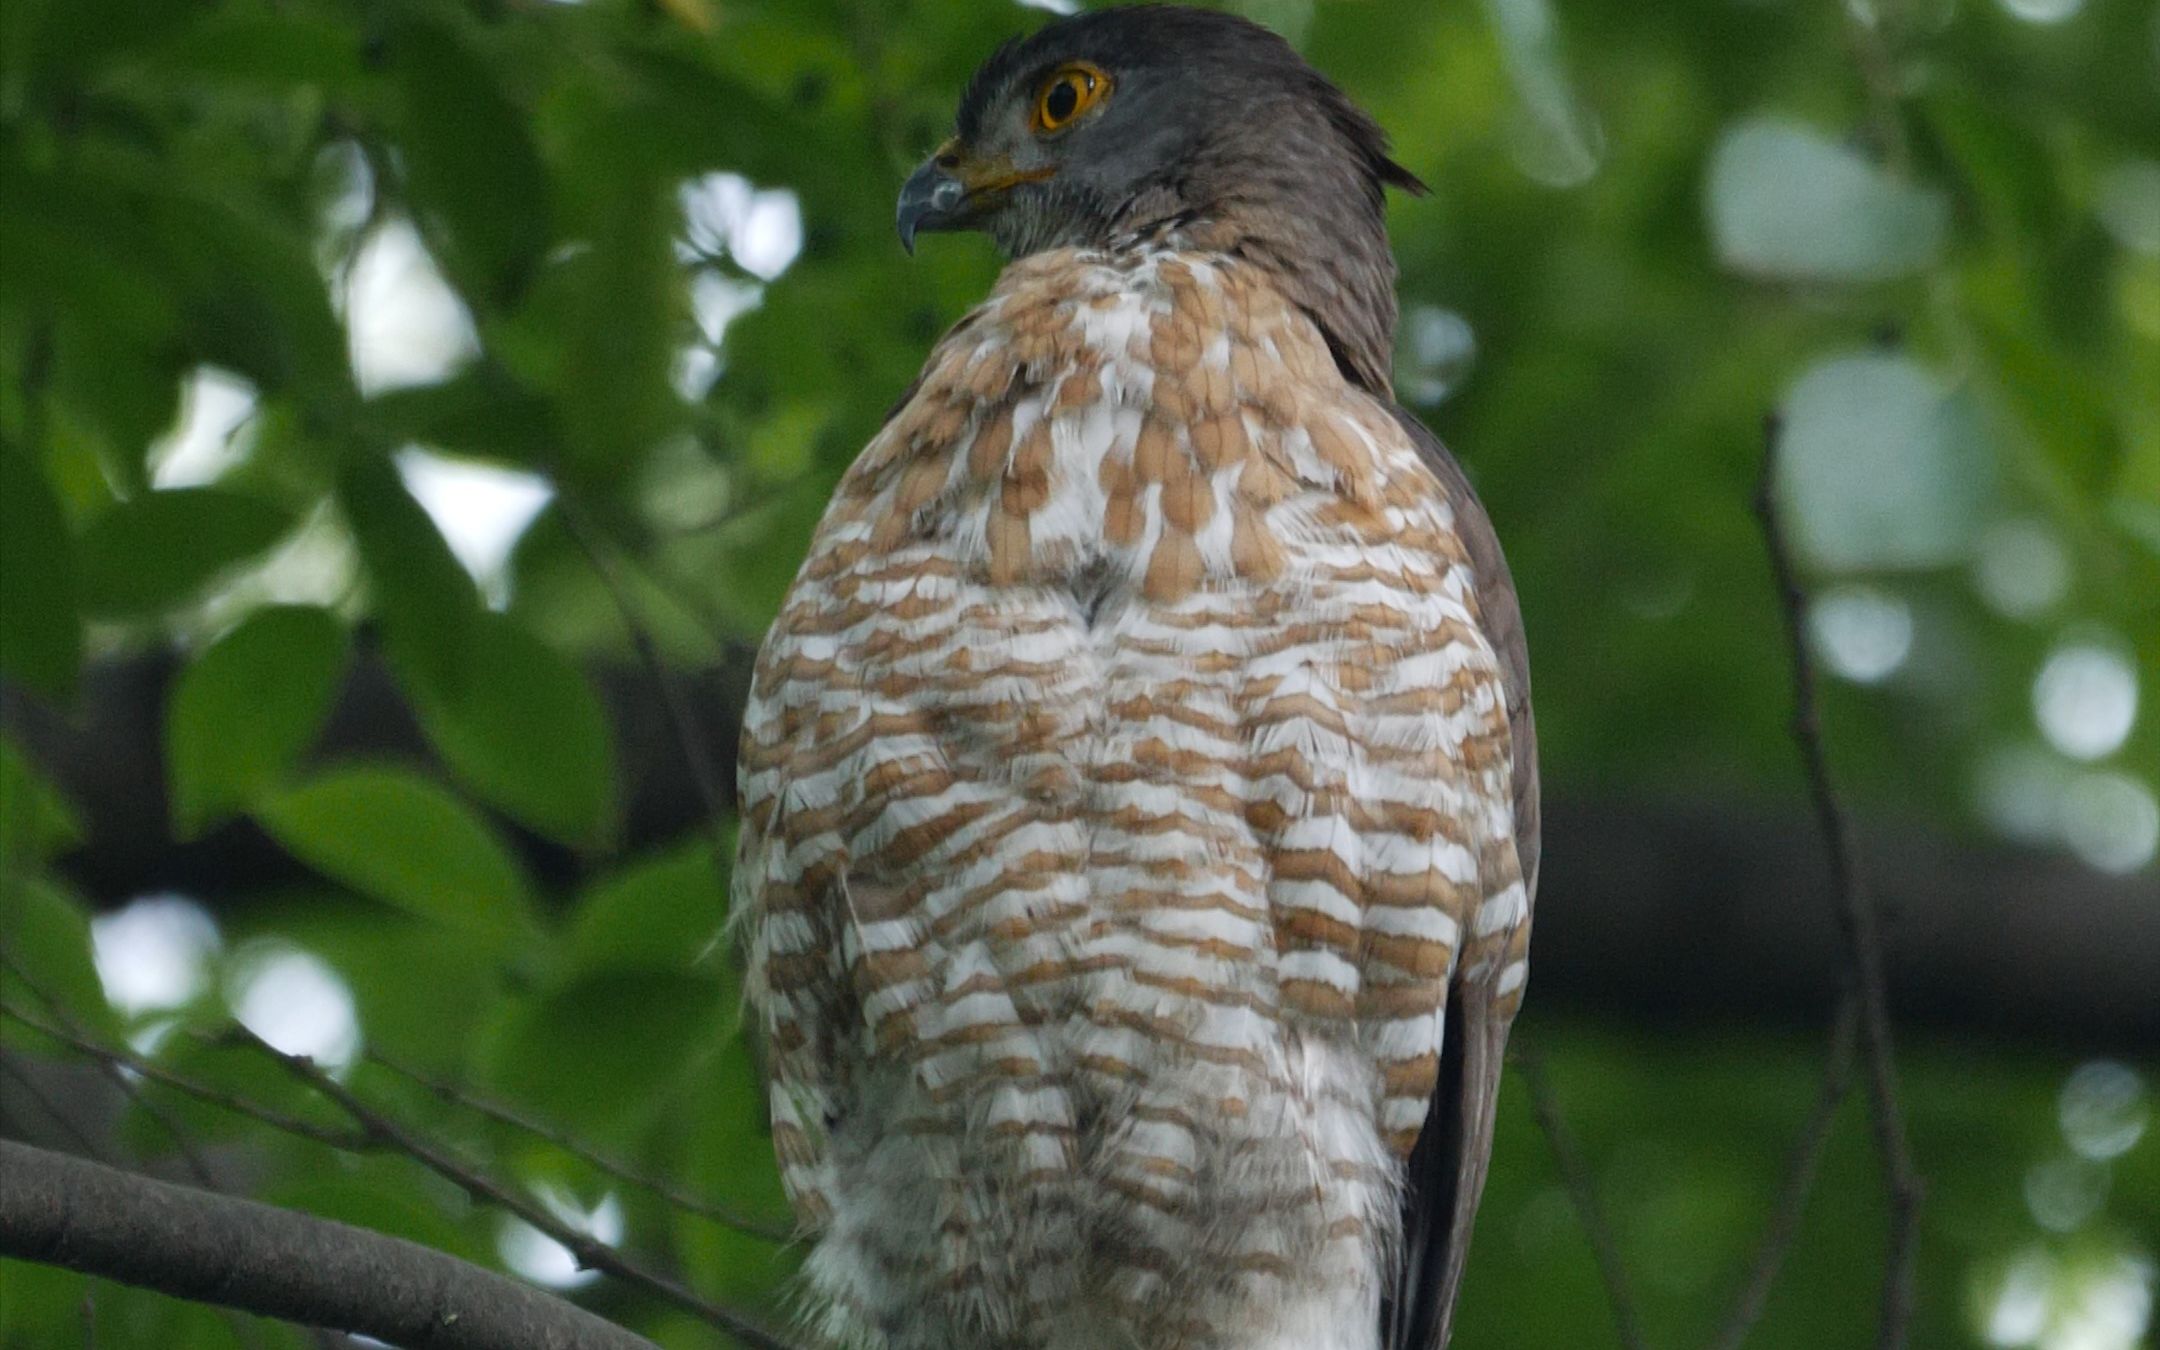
(1063,100)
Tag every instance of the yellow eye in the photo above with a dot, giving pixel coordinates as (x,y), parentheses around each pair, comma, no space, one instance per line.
(1070,91)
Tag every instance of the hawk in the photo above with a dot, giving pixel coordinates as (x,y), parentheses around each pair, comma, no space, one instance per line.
(1139,819)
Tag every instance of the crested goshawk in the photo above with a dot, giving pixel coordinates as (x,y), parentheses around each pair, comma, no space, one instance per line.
(1138,786)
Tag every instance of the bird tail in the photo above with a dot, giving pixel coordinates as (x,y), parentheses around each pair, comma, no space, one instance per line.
(1447,1170)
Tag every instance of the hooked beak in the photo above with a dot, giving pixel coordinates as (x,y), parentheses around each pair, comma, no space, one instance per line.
(953,190)
(931,199)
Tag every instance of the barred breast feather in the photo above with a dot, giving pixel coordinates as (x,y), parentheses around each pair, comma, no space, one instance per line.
(1125,785)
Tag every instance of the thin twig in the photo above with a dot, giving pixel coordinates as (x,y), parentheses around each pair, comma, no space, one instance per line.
(681,718)
(127,1072)
(378,1133)
(1582,1189)
(589,1252)
(1879,78)
(614,1167)
(345,1140)
(1801,1165)
(679,713)
(197,1166)
(1857,919)
(31,1088)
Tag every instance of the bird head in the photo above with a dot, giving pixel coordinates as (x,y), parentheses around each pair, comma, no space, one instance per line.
(1112,124)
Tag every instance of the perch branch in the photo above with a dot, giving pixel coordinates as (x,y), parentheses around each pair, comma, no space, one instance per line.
(377,1133)
(70,1212)
(589,1252)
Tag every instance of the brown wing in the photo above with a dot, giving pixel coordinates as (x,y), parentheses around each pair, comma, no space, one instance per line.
(1447,1169)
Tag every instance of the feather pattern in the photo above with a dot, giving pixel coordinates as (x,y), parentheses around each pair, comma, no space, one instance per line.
(1126,783)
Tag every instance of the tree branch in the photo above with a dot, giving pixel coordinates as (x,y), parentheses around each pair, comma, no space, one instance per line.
(129,1083)
(621,1171)
(377,1132)
(65,1211)
(62,1121)
(1856,911)
(589,1252)
(689,737)
(129,1086)
(1800,1168)
(1582,1192)
(349,1141)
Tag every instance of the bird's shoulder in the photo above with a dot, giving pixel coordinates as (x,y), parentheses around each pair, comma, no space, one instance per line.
(1203,346)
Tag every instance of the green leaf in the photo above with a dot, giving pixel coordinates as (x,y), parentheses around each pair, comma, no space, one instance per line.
(783,444)
(116,395)
(44,1304)
(2139,520)
(35,820)
(727,1156)
(146,555)
(48,936)
(620,301)
(420,988)
(601,1056)
(517,723)
(373,1193)
(662,914)
(478,411)
(422,595)
(75,244)
(393,835)
(474,173)
(276,51)
(40,636)
(521,727)
(76,36)
(247,708)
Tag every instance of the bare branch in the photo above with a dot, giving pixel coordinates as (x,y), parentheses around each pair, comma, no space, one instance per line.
(682,719)
(621,1171)
(71,1212)
(1857,920)
(1800,1168)
(62,1120)
(589,1252)
(129,1087)
(129,1083)
(377,1133)
(1879,77)
(346,1140)
(1582,1191)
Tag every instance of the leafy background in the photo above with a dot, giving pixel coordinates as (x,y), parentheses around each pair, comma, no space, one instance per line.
(486,340)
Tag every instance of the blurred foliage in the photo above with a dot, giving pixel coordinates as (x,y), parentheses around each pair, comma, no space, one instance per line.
(637,258)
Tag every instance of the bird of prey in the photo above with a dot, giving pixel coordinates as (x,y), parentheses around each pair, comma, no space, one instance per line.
(1139,814)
